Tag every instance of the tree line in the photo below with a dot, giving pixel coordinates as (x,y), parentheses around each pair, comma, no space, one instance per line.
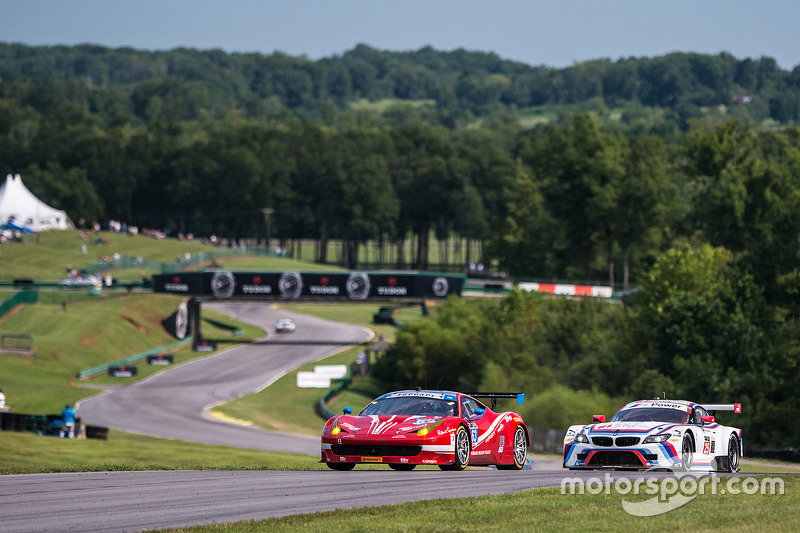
(699,328)
(123,85)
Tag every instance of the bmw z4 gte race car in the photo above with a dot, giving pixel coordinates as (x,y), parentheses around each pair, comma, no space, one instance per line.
(407,428)
(656,434)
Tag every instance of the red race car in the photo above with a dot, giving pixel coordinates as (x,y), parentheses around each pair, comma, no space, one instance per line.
(407,428)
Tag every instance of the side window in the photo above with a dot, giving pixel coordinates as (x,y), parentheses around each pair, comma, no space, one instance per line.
(699,413)
(468,406)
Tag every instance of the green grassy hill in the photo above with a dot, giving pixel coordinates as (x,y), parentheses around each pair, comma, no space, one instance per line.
(44,257)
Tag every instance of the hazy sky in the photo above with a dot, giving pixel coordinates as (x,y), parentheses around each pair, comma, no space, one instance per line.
(555,33)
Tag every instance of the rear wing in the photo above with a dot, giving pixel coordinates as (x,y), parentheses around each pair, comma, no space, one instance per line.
(735,407)
(520,396)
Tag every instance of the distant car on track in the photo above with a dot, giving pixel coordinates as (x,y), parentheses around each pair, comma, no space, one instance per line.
(285,325)
(407,428)
(656,434)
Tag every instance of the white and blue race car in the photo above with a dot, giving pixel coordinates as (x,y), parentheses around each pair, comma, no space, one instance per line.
(656,434)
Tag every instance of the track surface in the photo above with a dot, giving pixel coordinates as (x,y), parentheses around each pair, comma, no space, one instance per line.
(173,404)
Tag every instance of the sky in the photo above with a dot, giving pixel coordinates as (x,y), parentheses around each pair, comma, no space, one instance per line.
(555,33)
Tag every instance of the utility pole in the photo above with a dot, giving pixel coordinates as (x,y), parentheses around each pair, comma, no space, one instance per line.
(267,212)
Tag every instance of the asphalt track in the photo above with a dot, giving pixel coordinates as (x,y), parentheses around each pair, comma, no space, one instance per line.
(174,404)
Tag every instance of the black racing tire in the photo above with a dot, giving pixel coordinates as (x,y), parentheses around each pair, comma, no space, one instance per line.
(402,467)
(342,467)
(733,453)
(520,445)
(687,453)
(463,447)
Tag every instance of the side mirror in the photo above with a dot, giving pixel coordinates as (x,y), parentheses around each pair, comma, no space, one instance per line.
(348,410)
(598,418)
(479,411)
(707,419)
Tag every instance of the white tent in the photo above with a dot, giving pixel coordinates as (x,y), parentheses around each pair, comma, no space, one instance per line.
(19,207)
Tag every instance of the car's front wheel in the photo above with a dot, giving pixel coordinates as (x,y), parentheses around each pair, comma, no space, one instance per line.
(520,451)
(462,448)
(687,453)
(341,466)
(733,454)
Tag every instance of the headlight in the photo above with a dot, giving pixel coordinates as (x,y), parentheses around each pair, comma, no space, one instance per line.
(657,438)
(421,432)
(334,427)
(581,437)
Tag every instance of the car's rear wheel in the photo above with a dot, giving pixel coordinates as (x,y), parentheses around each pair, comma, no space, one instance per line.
(462,448)
(733,454)
(341,466)
(687,453)
(520,451)
(402,467)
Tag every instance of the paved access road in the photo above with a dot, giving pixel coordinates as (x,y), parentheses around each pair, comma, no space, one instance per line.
(174,403)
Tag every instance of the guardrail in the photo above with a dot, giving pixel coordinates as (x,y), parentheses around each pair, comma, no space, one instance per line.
(235,330)
(22,297)
(102,369)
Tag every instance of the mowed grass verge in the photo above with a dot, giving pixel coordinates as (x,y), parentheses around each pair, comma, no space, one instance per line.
(26,452)
(545,510)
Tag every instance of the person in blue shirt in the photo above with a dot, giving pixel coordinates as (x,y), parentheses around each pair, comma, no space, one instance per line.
(67,422)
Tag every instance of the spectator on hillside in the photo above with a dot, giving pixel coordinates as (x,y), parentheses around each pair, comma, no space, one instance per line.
(2,400)
(67,422)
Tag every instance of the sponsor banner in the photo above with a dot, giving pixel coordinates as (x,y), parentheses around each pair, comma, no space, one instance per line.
(354,286)
(160,359)
(204,346)
(177,324)
(332,371)
(182,283)
(122,371)
(563,289)
(312,380)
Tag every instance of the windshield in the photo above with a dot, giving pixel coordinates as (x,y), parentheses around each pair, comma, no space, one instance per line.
(652,414)
(410,406)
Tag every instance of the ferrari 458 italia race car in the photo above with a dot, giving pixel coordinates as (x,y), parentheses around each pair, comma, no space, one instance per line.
(407,428)
(656,434)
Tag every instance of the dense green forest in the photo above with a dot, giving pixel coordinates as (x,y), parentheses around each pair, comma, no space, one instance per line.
(679,175)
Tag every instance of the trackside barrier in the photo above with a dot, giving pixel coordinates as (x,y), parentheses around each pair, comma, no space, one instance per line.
(320,408)
(103,369)
(22,297)
(235,330)
(568,289)
(48,425)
